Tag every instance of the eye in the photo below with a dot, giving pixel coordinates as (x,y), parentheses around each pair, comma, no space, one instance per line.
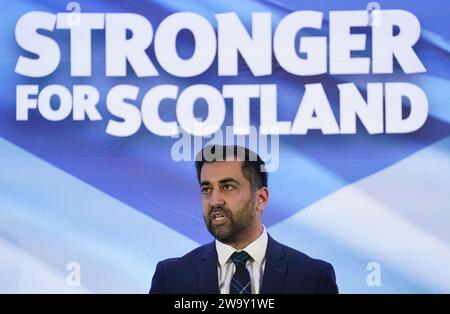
(228,187)
(205,190)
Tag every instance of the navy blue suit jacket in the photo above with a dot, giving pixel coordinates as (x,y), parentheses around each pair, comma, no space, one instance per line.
(286,271)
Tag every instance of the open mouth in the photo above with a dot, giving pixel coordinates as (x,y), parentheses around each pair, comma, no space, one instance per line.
(218,218)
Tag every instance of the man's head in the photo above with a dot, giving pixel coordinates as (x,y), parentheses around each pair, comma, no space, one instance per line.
(233,183)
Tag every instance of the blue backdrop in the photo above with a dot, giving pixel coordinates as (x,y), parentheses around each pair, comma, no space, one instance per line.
(74,198)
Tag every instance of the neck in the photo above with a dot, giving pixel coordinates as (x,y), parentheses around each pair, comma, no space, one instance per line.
(252,236)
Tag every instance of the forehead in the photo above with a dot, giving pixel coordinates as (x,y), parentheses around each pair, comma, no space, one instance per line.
(218,170)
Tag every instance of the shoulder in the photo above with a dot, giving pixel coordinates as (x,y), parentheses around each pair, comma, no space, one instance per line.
(304,273)
(301,259)
(177,275)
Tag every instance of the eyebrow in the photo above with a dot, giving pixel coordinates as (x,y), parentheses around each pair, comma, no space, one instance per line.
(223,181)
(228,180)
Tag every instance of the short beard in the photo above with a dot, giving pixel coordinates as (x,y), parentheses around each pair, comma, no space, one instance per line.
(238,225)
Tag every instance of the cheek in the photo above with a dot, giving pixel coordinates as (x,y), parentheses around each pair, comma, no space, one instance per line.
(245,204)
(235,202)
(205,206)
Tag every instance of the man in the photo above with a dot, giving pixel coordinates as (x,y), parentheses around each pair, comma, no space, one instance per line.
(243,259)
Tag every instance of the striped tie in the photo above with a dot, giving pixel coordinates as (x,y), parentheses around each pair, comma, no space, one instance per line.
(240,283)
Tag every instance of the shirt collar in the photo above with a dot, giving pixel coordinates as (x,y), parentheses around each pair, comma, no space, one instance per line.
(256,249)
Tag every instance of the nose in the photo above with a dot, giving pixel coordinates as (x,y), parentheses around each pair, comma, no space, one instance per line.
(217,198)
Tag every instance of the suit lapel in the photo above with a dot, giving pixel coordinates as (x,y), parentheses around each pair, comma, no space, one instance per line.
(206,270)
(275,269)
(274,272)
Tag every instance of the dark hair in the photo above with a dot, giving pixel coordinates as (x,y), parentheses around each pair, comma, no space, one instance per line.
(253,167)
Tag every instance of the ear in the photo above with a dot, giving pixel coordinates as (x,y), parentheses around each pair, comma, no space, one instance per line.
(262,197)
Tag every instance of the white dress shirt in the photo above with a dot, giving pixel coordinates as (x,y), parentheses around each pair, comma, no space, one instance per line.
(255,264)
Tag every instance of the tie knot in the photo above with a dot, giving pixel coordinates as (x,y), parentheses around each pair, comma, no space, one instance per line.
(240,258)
